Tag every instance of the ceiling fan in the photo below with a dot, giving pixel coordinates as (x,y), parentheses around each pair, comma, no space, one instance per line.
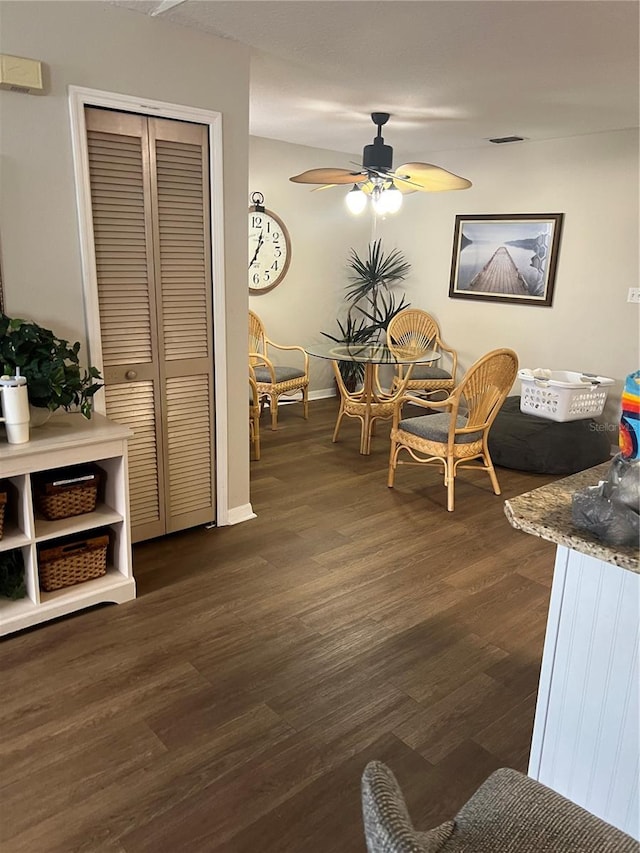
(376,177)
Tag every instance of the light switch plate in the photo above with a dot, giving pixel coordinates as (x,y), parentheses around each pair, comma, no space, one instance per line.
(634,294)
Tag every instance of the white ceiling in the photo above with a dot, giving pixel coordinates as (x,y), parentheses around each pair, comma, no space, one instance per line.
(451,72)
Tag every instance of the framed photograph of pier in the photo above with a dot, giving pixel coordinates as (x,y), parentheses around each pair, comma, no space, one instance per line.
(505,257)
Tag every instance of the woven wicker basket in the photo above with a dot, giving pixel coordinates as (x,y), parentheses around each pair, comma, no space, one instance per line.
(3,505)
(73,562)
(63,501)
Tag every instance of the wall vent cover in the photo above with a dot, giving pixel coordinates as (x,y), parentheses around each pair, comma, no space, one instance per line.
(18,74)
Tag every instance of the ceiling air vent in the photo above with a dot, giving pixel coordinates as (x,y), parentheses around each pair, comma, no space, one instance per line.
(499,140)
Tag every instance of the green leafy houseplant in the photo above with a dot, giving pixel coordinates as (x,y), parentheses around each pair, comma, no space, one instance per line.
(351,332)
(50,364)
(371,302)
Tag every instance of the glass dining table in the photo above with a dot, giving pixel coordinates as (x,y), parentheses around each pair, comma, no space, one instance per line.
(371,401)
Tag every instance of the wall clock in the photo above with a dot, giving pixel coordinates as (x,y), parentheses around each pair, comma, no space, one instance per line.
(269,247)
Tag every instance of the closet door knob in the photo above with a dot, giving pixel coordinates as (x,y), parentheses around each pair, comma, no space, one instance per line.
(130,374)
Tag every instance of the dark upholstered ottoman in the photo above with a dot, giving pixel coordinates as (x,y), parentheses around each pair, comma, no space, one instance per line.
(528,443)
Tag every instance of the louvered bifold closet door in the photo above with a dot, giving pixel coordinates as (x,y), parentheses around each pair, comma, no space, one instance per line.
(150,201)
(119,168)
(180,199)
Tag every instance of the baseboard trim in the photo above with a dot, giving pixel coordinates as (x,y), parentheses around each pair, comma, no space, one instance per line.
(322,394)
(238,514)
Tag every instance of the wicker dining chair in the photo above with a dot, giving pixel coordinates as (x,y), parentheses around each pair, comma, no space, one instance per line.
(458,436)
(415,328)
(274,380)
(254,414)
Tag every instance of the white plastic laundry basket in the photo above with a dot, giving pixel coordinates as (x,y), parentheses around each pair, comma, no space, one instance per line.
(563,395)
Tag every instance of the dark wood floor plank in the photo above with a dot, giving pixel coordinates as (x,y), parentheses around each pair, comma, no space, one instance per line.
(234,704)
(326,814)
(55,783)
(173,780)
(444,787)
(353,701)
(439,728)
(508,736)
(124,689)
(515,554)
(220,808)
(440,672)
(518,671)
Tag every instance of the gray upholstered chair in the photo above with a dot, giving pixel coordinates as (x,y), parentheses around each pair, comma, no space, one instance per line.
(509,813)
(274,380)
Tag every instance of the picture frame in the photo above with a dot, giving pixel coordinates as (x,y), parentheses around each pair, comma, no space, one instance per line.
(509,257)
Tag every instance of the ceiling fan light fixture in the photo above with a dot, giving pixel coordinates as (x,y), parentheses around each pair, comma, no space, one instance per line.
(392,199)
(356,200)
(377,200)
(386,199)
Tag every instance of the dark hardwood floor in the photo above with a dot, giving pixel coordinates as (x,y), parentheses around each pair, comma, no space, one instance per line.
(233,706)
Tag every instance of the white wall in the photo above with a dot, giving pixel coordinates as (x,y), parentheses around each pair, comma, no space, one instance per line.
(112,49)
(309,298)
(592,180)
(590,327)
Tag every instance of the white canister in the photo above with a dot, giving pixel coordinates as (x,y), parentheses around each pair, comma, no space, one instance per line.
(15,407)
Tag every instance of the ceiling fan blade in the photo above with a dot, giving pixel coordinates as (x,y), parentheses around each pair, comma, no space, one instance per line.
(428,178)
(329,176)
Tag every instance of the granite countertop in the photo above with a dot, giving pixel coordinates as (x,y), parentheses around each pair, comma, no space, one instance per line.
(546,512)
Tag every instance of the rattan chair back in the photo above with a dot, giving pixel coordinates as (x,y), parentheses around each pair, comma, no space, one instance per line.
(485,386)
(414,328)
(257,342)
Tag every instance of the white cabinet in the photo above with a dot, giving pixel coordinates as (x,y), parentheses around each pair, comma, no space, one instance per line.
(586,736)
(66,439)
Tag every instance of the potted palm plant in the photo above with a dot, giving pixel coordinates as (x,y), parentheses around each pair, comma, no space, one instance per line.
(371,302)
(50,364)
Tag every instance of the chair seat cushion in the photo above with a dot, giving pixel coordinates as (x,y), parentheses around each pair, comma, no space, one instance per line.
(283,374)
(436,428)
(423,371)
(528,443)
